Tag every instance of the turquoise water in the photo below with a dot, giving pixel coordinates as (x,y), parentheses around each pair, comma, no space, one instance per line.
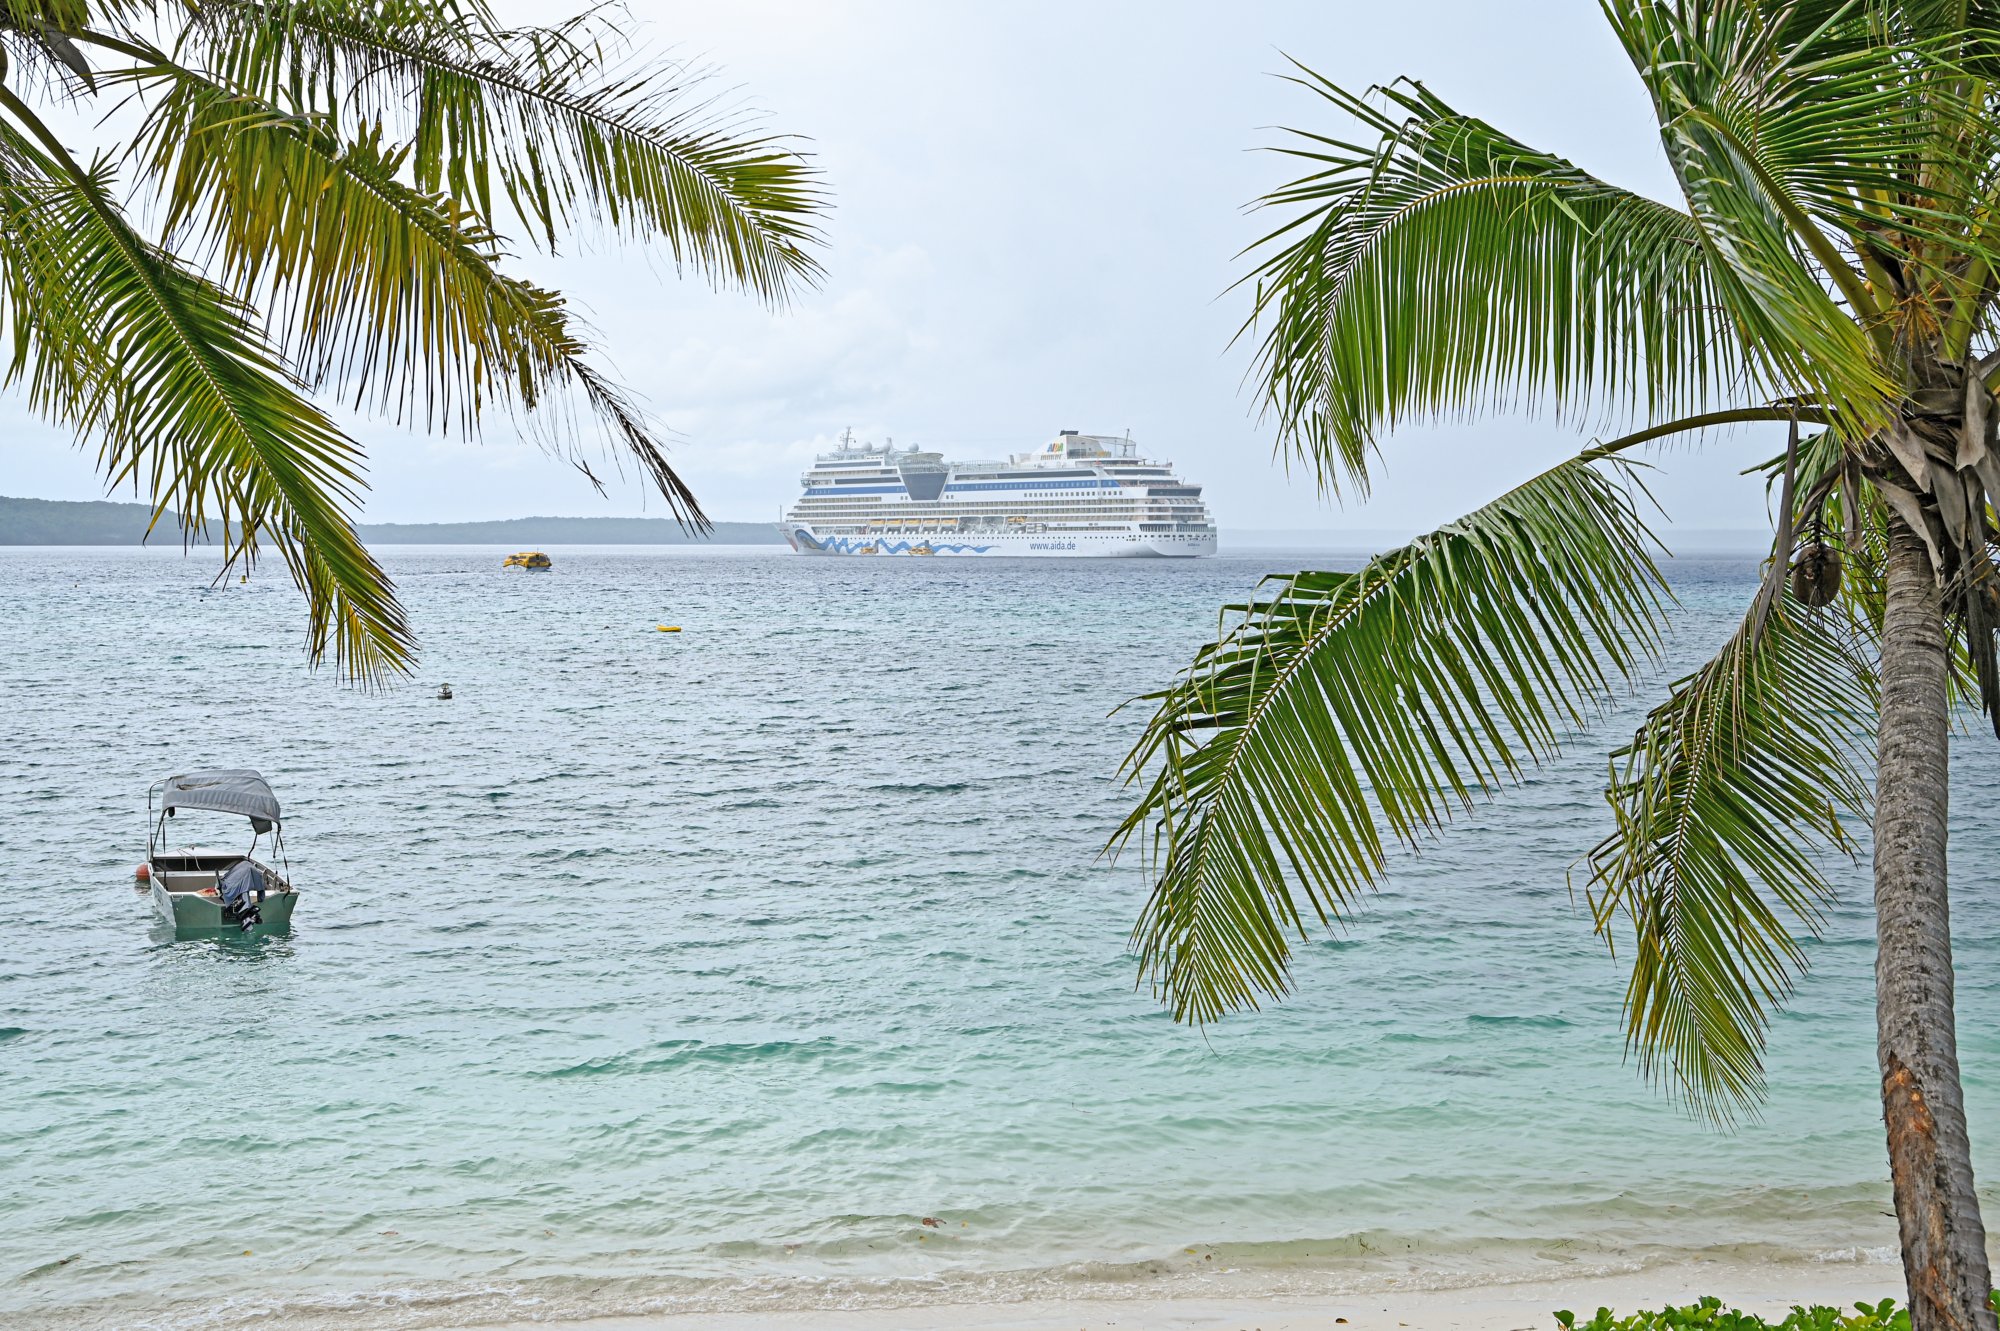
(681,971)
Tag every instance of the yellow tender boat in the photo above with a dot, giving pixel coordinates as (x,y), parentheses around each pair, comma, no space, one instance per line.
(533,559)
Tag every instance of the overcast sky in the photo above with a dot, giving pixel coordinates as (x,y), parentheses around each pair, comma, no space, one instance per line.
(1037,211)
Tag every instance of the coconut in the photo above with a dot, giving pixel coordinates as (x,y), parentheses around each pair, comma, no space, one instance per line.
(1816,575)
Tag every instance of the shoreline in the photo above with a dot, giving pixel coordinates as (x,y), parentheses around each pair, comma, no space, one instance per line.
(1765,1288)
(1305,1297)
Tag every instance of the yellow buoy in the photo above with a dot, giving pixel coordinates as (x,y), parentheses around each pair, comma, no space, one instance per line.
(670,628)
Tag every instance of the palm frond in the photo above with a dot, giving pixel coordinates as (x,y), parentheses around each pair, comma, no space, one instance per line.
(395,295)
(124,344)
(549,115)
(1342,705)
(1446,268)
(1726,799)
(1798,152)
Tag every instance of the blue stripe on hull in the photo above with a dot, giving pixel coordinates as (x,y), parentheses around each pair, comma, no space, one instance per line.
(805,542)
(851,545)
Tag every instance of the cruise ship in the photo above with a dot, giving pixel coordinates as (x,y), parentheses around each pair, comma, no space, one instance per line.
(1079,496)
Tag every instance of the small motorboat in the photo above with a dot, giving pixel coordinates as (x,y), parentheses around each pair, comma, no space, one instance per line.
(200,889)
(532,560)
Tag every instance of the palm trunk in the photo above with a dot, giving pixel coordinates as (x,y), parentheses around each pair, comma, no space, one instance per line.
(1930,1155)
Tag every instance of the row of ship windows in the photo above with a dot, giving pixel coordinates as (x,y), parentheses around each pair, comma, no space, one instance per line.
(968,487)
(1068,515)
(1009,501)
(881,475)
(999,510)
(997,501)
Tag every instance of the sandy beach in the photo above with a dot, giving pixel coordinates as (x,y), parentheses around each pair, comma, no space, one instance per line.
(1767,1289)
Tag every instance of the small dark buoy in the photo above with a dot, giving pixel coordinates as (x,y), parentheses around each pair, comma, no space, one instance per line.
(444,694)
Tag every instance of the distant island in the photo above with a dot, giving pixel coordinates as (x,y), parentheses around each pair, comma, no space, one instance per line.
(565,531)
(104,522)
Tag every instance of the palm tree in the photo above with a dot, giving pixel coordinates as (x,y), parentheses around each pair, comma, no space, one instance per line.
(322,188)
(1831,265)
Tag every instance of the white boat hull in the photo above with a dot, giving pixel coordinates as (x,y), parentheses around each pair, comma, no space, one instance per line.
(197,912)
(1020,545)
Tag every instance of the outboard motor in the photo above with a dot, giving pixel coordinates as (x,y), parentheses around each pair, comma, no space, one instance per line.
(242,890)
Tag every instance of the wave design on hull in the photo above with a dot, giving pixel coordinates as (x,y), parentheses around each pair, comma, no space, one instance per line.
(841,545)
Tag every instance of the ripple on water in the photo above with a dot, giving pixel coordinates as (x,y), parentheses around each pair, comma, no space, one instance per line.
(651,976)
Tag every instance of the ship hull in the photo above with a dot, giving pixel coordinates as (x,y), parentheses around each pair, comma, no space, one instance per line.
(1015,545)
(1076,497)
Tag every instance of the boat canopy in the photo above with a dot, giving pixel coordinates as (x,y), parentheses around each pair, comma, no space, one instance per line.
(226,790)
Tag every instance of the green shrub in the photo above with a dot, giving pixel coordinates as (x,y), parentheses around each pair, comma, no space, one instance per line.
(1710,1315)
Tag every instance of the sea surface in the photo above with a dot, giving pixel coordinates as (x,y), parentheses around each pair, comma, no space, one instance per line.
(707,970)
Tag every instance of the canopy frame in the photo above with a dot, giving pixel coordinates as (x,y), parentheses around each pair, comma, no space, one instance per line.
(237,790)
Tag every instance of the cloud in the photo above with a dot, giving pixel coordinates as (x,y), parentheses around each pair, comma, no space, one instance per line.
(1038,209)
(832,357)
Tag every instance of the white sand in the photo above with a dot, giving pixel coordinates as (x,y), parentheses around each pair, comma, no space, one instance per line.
(1765,1289)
